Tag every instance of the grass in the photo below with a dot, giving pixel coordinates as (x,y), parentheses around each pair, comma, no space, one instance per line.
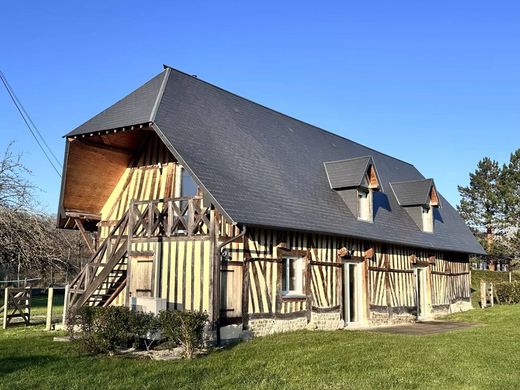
(484,357)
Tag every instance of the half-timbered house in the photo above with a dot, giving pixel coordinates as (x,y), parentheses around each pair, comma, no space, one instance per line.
(202,200)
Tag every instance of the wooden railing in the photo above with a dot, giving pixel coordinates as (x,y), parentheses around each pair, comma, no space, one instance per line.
(185,216)
(104,260)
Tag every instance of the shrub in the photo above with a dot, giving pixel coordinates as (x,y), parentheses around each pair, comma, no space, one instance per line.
(183,328)
(100,329)
(507,293)
(145,326)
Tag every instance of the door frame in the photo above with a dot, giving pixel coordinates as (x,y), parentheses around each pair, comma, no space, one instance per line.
(422,297)
(359,290)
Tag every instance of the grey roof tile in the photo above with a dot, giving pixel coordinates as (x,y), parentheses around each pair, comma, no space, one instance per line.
(347,173)
(413,192)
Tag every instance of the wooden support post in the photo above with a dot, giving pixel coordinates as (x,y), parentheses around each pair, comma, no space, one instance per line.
(491,294)
(6,306)
(66,305)
(48,323)
(84,234)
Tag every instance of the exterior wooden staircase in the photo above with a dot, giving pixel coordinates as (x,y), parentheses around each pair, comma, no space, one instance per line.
(105,275)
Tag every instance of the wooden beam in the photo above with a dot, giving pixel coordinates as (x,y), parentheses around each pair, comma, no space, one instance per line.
(106,147)
(79,224)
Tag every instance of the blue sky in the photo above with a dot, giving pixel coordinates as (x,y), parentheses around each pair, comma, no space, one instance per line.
(433,83)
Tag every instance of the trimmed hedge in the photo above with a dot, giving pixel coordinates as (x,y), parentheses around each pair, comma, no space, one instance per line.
(507,293)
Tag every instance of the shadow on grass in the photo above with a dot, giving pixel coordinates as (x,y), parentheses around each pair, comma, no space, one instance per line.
(12,364)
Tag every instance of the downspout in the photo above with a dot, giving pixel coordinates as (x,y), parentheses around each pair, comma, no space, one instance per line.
(217,281)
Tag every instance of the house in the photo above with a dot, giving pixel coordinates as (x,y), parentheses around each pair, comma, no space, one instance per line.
(203,200)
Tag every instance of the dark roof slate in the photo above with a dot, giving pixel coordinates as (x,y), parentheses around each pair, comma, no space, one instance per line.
(412,193)
(263,168)
(347,173)
(135,108)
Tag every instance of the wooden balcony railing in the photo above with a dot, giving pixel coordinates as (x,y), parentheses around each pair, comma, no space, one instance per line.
(185,216)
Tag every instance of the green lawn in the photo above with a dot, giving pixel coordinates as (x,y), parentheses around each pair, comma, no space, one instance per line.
(478,358)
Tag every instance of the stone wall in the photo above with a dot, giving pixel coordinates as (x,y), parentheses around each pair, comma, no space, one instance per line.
(382,316)
(325,321)
(267,326)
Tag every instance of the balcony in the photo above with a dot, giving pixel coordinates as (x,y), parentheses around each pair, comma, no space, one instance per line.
(170,217)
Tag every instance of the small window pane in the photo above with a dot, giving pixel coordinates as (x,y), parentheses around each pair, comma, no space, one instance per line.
(188,186)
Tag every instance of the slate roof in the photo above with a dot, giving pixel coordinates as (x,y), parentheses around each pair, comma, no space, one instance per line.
(264,168)
(347,173)
(412,193)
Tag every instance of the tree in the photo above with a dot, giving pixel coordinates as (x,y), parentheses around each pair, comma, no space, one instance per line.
(482,204)
(30,244)
(510,178)
(15,190)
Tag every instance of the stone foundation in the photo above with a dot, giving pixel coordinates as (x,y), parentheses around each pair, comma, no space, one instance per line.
(454,307)
(399,315)
(325,321)
(267,326)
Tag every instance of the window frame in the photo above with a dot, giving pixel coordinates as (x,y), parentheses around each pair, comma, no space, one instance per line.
(286,291)
(427,218)
(367,208)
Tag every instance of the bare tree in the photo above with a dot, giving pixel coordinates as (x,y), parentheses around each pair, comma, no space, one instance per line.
(15,189)
(30,244)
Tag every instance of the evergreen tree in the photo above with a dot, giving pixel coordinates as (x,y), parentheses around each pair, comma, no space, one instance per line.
(482,204)
(510,180)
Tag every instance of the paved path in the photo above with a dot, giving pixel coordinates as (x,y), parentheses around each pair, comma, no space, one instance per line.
(424,328)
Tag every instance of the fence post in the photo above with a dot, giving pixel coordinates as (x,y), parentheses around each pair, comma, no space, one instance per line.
(48,323)
(483,294)
(491,294)
(6,306)
(65,305)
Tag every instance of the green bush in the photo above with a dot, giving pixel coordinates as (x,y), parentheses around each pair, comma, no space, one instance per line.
(146,327)
(507,293)
(104,329)
(183,328)
(100,329)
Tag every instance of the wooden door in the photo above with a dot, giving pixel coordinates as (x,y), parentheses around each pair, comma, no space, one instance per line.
(141,276)
(231,293)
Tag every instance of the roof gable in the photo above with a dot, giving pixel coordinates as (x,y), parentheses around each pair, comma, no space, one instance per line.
(414,192)
(351,173)
(136,108)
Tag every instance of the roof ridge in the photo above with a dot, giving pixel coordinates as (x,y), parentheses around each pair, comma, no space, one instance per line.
(411,181)
(160,94)
(347,159)
(285,115)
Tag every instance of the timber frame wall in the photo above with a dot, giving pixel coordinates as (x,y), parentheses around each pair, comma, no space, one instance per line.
(185,270)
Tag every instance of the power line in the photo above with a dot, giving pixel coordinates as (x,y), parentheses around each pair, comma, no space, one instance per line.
(58,162)
(28,121)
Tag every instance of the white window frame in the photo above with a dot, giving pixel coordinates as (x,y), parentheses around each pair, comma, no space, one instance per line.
(298,291)
(367,207)
(427,218)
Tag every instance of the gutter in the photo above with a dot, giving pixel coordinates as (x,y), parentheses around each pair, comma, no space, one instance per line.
(218,263)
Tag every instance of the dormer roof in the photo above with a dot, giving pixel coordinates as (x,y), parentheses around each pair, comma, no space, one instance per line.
(352,173)
(415,193)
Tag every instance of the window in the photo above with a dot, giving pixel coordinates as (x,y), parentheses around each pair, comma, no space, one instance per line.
(188,186)
(292,276)
(427,219)
(364,205)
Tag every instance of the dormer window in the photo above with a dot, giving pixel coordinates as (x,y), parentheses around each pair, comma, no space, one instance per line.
(355,180)
(419,199)
(364,205)
(427,219)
